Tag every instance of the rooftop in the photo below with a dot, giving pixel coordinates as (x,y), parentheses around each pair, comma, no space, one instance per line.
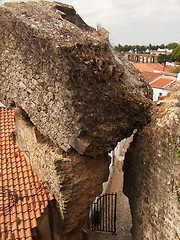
(150,76)
(23,197)
(151,67)
(156,75)
(162,82)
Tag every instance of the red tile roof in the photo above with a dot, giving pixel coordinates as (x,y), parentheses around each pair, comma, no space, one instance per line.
(162,82)
(159,51)
(23,196)
(151,67)
(150,76)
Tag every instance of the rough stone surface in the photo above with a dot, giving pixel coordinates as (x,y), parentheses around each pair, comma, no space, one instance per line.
(74,97)
(67,78)
(152,174)
(73,179)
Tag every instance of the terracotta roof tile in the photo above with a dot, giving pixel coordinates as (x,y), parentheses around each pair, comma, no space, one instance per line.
(150,76)
(151,67)
(162,82)
(23,197)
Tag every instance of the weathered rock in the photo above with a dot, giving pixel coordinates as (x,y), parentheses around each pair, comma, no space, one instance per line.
(73,179)
(75,99)
(152,174)
(67,78)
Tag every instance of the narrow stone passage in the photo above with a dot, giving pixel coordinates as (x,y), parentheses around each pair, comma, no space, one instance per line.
(124,220)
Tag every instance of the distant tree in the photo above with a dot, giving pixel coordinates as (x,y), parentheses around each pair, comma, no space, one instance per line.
(119,48)
(153,47)
(138,48)
(172,45)
(150,47)
(162,46)
(163,58)
(127,48)
(143,48)
(176,54)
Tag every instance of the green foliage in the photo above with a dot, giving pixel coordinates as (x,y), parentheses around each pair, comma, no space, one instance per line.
(176,70)
(176,148)
(172,45)
(18,220)
(163,58)
(153,47)
(143,48)
(138,48)
(119,48)
(176,54)
(133,48)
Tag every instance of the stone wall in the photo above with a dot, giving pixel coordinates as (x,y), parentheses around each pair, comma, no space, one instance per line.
(73,179)
(152,174)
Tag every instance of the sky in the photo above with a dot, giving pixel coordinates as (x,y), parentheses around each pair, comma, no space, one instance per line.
(133,21)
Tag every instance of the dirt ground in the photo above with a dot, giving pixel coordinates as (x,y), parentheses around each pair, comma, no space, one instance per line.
(124,220)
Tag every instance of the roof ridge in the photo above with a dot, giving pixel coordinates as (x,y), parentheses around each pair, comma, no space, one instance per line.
(156,79)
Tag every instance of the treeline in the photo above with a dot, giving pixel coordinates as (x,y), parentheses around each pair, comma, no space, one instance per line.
(162,58)
(142,48)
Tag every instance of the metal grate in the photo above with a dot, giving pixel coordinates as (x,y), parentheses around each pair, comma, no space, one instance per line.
(103,213)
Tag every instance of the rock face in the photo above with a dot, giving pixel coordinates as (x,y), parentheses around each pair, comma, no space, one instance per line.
(152,174)
(68,80)
(75,99)
(74,180)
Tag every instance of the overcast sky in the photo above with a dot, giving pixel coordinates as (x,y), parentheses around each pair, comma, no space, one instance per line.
(133,21)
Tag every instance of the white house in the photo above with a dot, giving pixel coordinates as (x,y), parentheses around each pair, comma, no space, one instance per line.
(161,86)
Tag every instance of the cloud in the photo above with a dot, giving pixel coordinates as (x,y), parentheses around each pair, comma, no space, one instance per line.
(111,12)
(133,21)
